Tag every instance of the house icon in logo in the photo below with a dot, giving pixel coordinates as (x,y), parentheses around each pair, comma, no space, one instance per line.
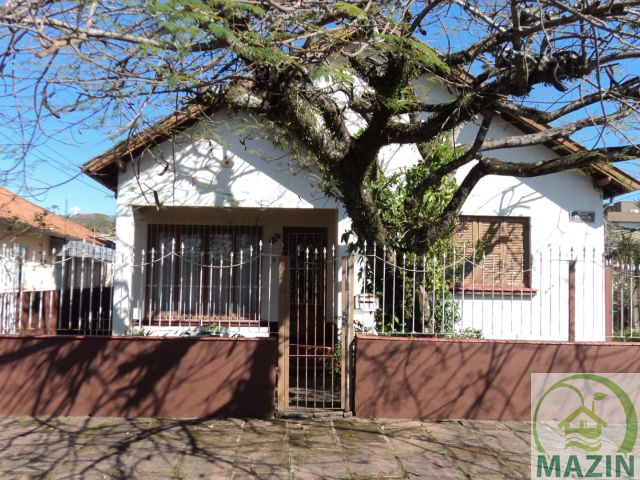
(583,428)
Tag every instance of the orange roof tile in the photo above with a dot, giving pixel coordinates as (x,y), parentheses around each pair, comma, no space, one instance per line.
(13,207)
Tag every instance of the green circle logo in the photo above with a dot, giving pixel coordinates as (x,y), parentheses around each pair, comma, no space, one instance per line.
(583,426)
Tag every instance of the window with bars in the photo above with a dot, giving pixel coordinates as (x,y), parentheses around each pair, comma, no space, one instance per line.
(496,250)
(202,271)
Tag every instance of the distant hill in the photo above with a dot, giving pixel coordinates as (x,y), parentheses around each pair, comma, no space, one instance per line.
(99,222)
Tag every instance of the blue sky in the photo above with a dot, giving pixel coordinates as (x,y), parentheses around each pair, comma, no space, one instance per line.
(53,179)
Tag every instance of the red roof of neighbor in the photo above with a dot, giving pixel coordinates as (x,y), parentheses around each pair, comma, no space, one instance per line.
(14,207)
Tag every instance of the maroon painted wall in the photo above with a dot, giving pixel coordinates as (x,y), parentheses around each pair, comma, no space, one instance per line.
(473,379)
(137,376)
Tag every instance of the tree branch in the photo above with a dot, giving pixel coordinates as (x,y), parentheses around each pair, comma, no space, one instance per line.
(463,159)
(549,134)
(494,166)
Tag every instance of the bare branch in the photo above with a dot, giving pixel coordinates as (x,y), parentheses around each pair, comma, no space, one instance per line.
(552,133)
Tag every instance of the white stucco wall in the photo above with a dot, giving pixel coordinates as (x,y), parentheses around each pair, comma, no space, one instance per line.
(220,166)
(547,202)
(229,162)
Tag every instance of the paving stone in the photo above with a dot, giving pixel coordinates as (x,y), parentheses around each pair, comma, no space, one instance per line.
(105,448)
(507,442)
(263,450)
(355,435)
(373,460)
(520,427)
(476,463)
(429,465)
(455,434)
(312,436)
(146,462)
(399,425)
(318,463)
(213,465)
(84,470)
(518,464)
(409,438)
(214,441)
(484,425)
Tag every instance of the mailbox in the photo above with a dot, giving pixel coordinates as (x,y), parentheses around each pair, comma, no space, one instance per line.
(367,302)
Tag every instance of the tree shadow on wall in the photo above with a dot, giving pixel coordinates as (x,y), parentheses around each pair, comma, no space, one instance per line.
(436,379)
(48,378)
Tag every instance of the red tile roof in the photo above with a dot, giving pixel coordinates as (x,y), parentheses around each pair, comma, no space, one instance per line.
(15,208)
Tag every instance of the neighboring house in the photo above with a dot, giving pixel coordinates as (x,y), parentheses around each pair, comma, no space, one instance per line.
(223,185)
(623,227)
(45,257)
(29,230)
(624,216)
(31,236)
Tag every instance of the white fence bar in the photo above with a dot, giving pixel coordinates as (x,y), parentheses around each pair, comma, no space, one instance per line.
(181,289)
(465,293)
(55,293)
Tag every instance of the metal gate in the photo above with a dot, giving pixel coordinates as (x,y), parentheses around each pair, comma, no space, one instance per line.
(312,347)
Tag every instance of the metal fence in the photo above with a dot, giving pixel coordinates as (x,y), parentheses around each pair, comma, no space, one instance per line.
(623,311)
(188,291)
(553,294)
(67,291)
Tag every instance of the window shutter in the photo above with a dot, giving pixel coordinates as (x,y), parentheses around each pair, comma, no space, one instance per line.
(504,242)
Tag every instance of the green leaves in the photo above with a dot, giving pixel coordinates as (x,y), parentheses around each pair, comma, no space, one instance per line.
(334,74)
(223,33)
(401,212)
(420,55)
(261,54)
(349,10)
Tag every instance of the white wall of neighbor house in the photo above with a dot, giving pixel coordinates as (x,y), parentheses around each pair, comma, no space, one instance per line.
(230,162)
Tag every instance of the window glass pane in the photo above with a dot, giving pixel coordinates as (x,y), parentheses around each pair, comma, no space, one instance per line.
(199,283)
(220,245)
(245,240)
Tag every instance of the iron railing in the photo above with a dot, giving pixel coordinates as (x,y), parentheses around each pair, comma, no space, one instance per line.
(554,294)
(67,291)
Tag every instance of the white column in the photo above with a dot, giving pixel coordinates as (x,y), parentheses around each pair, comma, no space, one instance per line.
(123,270)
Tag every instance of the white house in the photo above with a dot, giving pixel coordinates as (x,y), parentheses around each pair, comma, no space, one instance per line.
(224,186)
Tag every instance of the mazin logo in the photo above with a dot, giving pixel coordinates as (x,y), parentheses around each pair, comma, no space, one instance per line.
(584,425)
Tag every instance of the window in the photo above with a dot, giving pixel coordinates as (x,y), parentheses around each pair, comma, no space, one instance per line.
(199,280)
(57,244)
(496,250)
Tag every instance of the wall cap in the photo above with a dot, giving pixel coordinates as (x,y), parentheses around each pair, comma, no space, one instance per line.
(366,337)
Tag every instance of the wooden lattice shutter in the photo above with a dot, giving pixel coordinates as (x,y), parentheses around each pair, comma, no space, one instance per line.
(501,246)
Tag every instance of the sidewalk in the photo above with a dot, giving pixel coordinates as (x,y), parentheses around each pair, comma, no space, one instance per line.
(101,448)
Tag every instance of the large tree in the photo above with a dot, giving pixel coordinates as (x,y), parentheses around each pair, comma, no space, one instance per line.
(316,68)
